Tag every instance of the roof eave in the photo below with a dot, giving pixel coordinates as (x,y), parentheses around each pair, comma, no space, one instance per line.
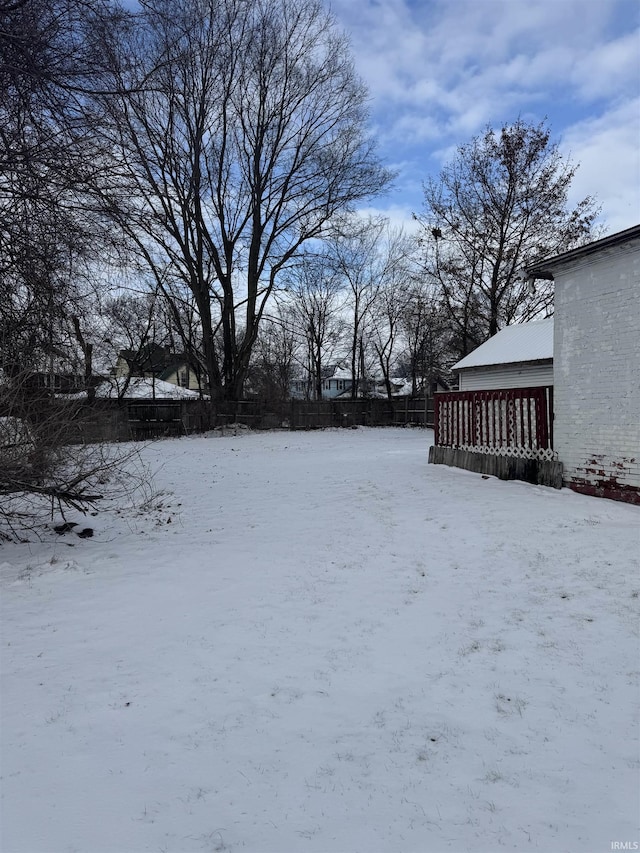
(544,268)
(504,363)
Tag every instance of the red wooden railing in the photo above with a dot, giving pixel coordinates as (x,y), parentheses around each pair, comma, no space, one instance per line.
(510,419)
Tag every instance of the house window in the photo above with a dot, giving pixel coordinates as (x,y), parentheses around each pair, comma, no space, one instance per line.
(183,378)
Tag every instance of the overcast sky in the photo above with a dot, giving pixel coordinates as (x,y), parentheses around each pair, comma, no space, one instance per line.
(439,70)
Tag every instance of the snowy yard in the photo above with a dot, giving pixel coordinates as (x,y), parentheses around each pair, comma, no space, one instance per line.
(318,642)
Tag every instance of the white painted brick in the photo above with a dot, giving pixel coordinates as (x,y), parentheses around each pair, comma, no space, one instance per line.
(597,367)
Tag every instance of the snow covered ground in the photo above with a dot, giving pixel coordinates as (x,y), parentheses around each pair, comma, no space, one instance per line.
(318,642)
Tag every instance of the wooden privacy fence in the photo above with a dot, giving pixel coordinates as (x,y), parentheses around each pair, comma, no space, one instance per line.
(508,422)
(165,417)
(148,419)
(121,420)
(399,411)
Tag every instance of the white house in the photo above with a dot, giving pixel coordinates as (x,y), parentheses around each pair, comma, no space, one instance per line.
(339,386)
(596,368)
(336,382)
(519,356)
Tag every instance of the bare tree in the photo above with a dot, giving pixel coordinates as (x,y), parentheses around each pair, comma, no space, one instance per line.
(276,355)
(396,270)
(500,205)
(49,232)
(314,296)
(239,132)
(426,331)
(48,236)
(355,251)
(385,328)
(129,330)
(48,152)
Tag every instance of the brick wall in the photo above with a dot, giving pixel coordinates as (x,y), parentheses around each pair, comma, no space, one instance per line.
(597,372)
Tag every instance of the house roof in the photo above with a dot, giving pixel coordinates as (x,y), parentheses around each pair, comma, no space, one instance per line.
(153,358)
(146,389)
(545,267)
(522,342)
(341,373)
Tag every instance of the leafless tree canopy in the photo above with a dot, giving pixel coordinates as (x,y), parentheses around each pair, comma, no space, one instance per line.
(371,260)
(238,132)
(499,205)
(50,151)
(315,300)
(49,233)
(275,362)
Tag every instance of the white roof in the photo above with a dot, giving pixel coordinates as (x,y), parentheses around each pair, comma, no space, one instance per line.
(522,342)
(144,389)
(341,373)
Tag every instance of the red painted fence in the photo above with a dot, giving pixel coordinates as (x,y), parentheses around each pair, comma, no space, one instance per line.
(513,420)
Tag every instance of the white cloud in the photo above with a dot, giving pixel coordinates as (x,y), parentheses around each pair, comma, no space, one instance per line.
(399,216)
(606,147)
(467,62)
(609,69)
(439,71)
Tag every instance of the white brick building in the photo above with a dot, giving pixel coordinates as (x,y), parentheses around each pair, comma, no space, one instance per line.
(596,364)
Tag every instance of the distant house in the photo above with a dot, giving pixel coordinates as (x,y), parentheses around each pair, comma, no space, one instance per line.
(377,387)
(519,356)
(597,364)
(338,383)
(153,361)
(400,387)
(54,382)
(301,389)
